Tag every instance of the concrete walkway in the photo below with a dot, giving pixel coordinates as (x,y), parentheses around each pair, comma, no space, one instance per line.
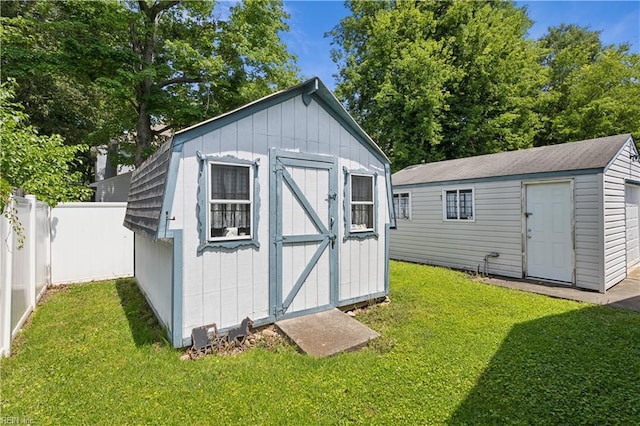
(625,295)
(326,333)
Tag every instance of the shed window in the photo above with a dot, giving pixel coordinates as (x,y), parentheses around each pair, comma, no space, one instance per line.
(230,202)
(361,203)
(459,204)
(402,205)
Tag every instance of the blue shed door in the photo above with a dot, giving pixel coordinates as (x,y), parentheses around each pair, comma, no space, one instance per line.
(303,221)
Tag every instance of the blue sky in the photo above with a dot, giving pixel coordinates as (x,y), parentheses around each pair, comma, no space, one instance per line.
(619,22)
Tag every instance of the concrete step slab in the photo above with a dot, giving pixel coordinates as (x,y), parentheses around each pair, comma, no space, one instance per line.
(326,333)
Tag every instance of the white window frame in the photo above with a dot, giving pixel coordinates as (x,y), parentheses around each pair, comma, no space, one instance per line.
(211,201)
(398,196)
(457,191)
(367,203)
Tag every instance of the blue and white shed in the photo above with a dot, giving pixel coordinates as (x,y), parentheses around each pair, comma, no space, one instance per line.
(564,213)
(279,208)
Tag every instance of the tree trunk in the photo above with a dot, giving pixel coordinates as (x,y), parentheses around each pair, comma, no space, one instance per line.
(144,135)
(146,50)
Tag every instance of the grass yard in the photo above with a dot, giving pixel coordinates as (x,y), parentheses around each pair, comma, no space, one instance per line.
(453,351)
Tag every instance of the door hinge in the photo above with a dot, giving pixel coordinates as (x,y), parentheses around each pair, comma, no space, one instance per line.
(279,311)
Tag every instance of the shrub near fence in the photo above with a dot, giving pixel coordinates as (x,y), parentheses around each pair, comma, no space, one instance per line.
(74,242)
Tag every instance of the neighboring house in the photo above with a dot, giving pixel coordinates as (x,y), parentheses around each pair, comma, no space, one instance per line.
(564,213)
(104,169)
(111,182)
(279,208)
(113,189)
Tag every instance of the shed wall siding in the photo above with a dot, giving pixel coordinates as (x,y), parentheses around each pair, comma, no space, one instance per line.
(588,231)
(153,264)
(615,259)
(224,286)
(427,238)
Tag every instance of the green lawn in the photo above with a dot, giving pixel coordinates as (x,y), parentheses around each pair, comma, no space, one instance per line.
(454,351)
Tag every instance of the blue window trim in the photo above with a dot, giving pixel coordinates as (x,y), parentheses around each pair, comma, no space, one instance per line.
(201,209)
(348,233)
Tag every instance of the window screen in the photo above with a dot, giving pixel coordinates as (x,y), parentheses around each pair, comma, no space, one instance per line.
(361,203)
(230,202)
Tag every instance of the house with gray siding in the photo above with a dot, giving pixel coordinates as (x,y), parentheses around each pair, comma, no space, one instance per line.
(566,214)
(113,189)
(277,209)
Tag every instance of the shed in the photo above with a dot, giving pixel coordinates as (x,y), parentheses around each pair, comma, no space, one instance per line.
(566,214)
(277,209)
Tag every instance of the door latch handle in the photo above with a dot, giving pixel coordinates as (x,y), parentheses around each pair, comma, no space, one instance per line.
(332,238)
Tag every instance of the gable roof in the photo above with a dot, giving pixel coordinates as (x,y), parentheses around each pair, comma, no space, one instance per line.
(584,155)
(148,182)
(313,88)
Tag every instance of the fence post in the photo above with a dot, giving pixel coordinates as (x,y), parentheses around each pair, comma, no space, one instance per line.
(48,246)
(5,281)
(32,230)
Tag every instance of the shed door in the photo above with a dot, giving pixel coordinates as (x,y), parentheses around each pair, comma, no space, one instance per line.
(549,234)
(633,236)
(304,209)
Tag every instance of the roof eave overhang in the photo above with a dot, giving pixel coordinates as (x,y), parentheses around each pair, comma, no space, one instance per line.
(527,176)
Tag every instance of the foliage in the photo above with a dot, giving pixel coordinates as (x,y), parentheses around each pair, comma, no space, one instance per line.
(54,91)
(592,90)
(143,67)
(603,98)
(453,351)
(439,80)
(38,164)
(448,79)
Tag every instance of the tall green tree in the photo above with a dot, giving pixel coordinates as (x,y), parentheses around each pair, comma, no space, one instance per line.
(439,79)
(38,164)
(567,49)
(603,98)
(149,66)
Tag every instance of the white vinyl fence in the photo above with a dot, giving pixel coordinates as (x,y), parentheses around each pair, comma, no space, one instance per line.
(25,266)
(74,242)
(89,243)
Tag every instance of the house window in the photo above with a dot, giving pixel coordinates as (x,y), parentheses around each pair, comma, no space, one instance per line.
(361,203)
(402,205)
(458,204)
(230,202)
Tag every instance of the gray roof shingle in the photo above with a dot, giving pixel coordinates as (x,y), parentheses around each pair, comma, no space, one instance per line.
(146,193)
(583,155)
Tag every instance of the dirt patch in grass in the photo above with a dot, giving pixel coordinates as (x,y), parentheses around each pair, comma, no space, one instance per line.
(269,338)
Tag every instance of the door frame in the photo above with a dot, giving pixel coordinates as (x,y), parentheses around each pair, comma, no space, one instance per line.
(636,187)
(292,158)
(572,200)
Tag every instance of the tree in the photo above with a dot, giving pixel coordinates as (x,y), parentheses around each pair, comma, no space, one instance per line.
(38,164)
(439,80)
(592,91)
(603,98)
(567,49)
(155,65)
(56,95)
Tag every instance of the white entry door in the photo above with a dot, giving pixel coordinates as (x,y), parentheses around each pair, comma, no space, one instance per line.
(633,236)
(549,236)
